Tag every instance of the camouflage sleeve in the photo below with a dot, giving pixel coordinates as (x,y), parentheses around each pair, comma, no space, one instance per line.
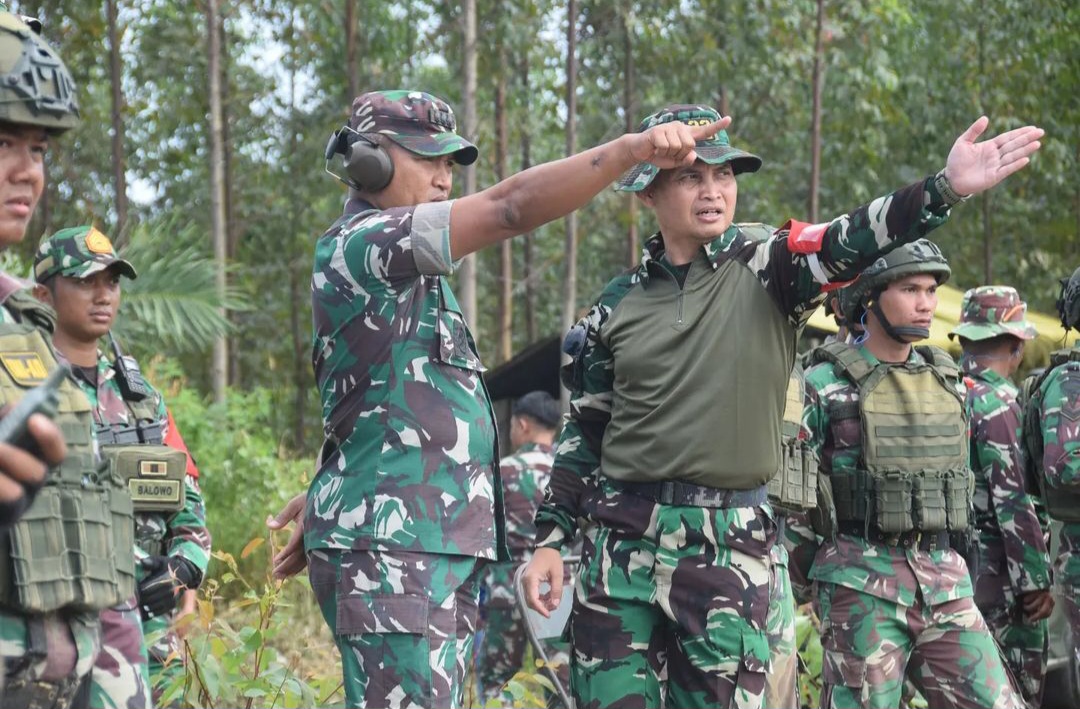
(815,418)
(996,444)
(1060,409)
(518,505)
(802,545)
(799,538)
(797,262)
(391,248)
(187,534)
(590,378)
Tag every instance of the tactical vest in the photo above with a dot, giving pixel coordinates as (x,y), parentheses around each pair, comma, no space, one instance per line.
(72,549)
(794,487)
(153,472)
(913,473)
(1062,502)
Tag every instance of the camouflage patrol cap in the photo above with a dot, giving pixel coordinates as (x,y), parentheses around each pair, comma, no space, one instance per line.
(989,311)
(77,252)
(417,121)
(35,87)
(715,151)
(1068,303)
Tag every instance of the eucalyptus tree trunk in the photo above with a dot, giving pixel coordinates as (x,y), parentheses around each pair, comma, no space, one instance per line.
(219,367)
(818,82)
(352,81)
(118,159)
(630,113)
(467,271)
(506,254)
(527,242)
(569,312)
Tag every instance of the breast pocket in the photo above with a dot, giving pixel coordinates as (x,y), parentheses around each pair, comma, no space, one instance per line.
(456,345)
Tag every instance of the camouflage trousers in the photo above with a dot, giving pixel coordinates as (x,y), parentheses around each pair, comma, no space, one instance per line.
(946,650)
(684,589)
(502,650)
(121,678)
(1024,645)
(45,659)
(782,678)
(403,621)
(164,652)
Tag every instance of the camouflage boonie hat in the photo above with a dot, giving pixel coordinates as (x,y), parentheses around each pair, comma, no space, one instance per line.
(77,252)
(989,311)
(1068,303)
(716,151)
(415,120)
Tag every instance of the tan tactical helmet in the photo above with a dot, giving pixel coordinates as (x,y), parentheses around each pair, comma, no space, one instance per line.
(35,87)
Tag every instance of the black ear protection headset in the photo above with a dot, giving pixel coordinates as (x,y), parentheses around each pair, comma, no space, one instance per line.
(368,166)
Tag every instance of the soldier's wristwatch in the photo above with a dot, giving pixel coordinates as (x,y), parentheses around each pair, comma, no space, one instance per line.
(945,189)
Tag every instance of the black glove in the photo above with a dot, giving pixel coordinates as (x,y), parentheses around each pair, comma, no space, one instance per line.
(167,577)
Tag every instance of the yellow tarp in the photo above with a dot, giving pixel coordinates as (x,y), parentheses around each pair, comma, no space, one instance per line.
(1036,354)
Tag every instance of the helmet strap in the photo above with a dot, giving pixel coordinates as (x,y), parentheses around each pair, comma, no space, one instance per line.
(904,334)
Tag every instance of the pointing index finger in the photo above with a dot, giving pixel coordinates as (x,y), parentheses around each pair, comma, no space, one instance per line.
(708,131)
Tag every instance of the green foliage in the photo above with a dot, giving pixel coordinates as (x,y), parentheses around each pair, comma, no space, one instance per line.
(174,302)
(250,653)
(246,471)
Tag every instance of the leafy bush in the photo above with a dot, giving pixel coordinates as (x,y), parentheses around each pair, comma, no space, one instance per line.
(246,472)
(258,649)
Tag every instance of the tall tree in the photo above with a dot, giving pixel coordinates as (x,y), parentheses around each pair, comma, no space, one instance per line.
(116,79)
(506,254)
(352,80)
(219,369)
(817,83)
(468,266)
(629,112)
(529,275)
(569,313)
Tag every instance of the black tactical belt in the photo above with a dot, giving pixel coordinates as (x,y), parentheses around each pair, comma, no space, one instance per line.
(923,541)
(673,492)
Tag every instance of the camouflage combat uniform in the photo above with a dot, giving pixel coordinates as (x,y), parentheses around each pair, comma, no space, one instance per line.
(524,477)
(407,504)
(891,609)
(676,566)
(1013,556)
(183,533)
(69,556)
(1058,410)
(121,676)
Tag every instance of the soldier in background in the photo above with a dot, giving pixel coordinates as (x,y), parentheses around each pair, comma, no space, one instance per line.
(534,422)
(1012,579)
(888,421)
(72,551)
(1052,443)
(79,274)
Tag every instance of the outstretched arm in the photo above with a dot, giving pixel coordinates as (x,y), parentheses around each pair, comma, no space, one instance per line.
(974,167)
(546,192)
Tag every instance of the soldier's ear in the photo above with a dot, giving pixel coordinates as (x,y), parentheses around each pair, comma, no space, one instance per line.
(43,294)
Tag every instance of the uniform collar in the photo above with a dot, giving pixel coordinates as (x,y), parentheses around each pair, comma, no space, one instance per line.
(713,251)
(973,369)
(355,205)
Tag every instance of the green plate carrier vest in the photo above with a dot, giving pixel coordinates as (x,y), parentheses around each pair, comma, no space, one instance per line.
(914,473)
(794,487)
(73,549)
(1062,502)
(153,472)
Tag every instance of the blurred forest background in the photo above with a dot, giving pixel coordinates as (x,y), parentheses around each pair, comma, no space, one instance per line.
(204,124)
